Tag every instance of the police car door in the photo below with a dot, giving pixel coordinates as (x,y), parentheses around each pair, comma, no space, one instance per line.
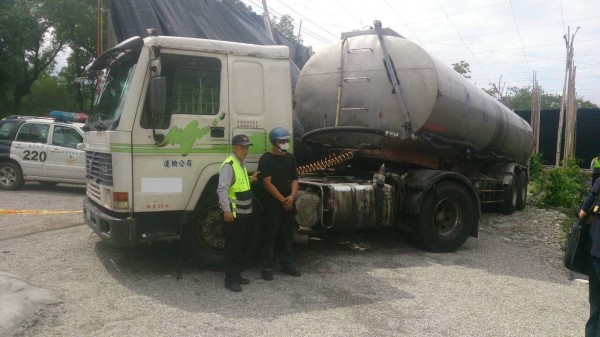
(30,148)
(64,161)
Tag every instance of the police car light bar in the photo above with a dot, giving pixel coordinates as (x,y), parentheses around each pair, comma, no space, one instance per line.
(69,116)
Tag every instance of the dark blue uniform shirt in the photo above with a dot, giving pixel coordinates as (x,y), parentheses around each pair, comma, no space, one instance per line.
(595,229)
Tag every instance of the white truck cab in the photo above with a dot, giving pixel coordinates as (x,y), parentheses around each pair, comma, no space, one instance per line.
(163,124)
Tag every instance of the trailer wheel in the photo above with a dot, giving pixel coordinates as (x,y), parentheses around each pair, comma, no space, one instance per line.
(447,218)
(509,198)
(11,177)
(203,234)
(522,194)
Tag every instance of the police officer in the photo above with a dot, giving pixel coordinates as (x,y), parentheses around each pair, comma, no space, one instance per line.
(595,167)
(235,200)
(592,327)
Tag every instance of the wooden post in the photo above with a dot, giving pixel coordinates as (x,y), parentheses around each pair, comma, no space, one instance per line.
(569,64)
(267,21)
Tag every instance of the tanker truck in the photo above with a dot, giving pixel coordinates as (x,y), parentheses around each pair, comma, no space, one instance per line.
(385,134)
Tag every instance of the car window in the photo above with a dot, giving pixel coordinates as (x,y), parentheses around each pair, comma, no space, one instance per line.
(66,136)
(5,130)
(33,133)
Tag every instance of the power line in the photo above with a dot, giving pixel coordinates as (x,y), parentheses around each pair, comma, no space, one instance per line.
(463,41)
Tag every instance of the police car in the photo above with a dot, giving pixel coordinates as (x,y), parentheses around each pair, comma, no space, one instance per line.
(40,149)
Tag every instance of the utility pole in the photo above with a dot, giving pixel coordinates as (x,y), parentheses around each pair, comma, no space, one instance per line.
(267,21)
(535,113)
(568,70)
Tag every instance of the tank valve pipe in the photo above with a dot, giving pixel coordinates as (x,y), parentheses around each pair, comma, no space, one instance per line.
(389,66)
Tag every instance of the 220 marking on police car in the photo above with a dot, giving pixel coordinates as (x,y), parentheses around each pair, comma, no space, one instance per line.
(34,155)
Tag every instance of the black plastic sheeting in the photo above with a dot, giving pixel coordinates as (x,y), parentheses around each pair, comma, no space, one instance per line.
(587,137)
(208,19)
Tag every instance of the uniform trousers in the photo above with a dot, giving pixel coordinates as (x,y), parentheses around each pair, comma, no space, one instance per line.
(592,327)
(238,235)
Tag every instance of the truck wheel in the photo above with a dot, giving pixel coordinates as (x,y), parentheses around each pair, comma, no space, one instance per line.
(509,198)
(11,177)
(203,234)
(522,194)
(447,218)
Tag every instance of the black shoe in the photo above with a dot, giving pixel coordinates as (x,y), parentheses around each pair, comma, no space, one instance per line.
(244,280)
(234,286)
(290,270)
(267,274)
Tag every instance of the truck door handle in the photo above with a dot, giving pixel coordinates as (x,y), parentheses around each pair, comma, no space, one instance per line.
(217,131)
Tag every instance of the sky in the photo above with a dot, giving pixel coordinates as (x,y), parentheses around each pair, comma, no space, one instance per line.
(503,41)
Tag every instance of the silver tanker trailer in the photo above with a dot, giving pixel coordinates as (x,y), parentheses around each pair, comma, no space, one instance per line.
(394,137)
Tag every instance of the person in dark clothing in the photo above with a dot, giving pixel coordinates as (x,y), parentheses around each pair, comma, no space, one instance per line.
(595,167)
(592,327)
(235,200)
(278,172)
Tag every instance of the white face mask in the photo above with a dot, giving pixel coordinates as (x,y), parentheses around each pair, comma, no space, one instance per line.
(284,147)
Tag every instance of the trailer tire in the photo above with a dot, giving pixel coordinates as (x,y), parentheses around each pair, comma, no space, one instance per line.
(11,176)
(203,233)
(447,217)
(522,194)
(509,198)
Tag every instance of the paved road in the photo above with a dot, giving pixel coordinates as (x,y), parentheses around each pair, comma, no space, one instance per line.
(368,285)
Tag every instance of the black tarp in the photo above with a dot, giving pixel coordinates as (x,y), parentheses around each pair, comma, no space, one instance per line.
(587,134)
(208,19)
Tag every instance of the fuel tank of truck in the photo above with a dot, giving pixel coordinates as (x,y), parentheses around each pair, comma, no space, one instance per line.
(346,85)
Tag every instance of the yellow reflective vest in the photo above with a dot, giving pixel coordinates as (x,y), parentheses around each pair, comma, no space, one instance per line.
(240,194)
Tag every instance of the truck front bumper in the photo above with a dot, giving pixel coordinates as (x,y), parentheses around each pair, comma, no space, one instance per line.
(116,231)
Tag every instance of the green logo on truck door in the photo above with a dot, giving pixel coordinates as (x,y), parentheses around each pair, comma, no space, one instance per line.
(187,136)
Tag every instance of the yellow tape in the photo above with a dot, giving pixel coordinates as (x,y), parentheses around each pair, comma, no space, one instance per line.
(34,212)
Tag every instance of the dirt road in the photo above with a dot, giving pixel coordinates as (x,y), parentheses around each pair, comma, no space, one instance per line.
(508,282)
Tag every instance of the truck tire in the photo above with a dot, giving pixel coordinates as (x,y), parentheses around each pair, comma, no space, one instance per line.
(509,198)
(447,218)
(203,233)
(522,193)
(11,177)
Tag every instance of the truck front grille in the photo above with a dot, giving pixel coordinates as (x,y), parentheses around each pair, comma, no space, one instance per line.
(93,190)
(98,168)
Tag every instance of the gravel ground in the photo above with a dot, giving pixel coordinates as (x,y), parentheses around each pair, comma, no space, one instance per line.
(508,282)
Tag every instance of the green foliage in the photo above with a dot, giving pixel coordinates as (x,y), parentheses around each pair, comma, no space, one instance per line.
(463,68)
(32,34)
(519,99)
(47,94)
(285,25)
(561,187)
(536,166)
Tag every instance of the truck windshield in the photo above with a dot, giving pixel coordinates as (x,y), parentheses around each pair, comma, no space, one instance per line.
(115,84)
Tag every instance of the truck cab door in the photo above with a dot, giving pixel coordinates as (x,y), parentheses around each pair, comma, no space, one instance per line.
(194,130)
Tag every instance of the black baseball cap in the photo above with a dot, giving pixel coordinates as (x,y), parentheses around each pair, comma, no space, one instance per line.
(241,140)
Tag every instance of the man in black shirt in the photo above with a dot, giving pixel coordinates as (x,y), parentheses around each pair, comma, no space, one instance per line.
(279,175)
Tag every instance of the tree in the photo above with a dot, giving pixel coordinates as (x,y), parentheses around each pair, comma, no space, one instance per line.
(285,26)
(462,68)
(32,34)
(32,43)
(49,93)
(81,37)
(519,99)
